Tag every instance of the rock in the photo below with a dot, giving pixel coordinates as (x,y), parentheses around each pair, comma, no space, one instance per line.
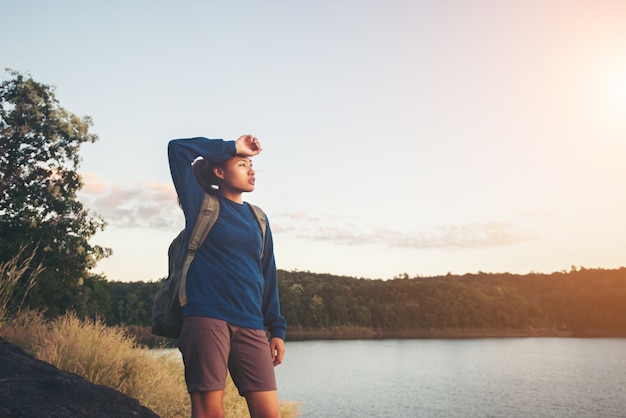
(33,388)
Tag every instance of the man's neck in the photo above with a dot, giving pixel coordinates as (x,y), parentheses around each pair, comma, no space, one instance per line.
(236,197)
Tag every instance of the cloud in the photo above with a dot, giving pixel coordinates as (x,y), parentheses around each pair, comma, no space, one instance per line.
(93,184)
(154,205)
(142,205)
(446,237)
(471,235)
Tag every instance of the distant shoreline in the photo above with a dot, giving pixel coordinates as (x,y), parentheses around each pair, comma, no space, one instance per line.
(448,333)
(143,336)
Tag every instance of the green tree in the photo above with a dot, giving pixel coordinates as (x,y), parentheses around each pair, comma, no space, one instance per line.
(39,157)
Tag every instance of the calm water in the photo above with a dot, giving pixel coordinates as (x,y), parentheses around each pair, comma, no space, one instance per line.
(525,377)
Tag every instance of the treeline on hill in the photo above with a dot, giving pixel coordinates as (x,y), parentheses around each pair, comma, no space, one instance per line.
(584,300)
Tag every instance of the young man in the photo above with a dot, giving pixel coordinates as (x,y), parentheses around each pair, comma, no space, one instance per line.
(232,292)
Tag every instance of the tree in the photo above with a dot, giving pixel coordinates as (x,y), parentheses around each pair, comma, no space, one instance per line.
(39,158)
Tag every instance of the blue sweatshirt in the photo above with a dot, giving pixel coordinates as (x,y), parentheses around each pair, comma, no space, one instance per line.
(227,279)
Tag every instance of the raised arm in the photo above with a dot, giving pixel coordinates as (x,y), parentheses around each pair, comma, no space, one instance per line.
(183,152)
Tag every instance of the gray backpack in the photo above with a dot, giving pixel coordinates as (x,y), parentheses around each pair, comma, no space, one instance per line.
(172,295)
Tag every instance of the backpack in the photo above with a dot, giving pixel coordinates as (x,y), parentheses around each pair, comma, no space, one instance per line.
(172,295)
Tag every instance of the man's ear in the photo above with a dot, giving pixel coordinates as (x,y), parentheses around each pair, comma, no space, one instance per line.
(219,172)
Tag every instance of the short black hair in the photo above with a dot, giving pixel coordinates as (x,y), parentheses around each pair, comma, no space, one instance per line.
(205,176)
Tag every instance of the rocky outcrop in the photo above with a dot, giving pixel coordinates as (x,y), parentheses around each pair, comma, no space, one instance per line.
(33,388)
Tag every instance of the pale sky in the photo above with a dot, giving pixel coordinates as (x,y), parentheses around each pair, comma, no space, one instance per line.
(418,137)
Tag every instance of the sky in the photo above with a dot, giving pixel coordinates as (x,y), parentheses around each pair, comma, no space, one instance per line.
(399,137)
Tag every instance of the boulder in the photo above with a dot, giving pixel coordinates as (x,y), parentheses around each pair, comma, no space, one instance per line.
(33,388)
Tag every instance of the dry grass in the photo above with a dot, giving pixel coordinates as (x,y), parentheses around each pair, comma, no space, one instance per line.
(108,356)
(17,277)
(101,354)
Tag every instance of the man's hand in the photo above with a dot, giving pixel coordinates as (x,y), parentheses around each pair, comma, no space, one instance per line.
(248,146)
(277,350)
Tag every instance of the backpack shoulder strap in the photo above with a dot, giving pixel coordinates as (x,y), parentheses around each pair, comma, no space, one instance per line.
(207,216)
(262,220)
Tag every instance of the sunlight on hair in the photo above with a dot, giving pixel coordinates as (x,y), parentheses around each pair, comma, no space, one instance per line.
(621,92)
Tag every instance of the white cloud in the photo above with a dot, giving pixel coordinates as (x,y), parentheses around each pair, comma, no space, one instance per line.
(154,205)
(142,205)
(445,237)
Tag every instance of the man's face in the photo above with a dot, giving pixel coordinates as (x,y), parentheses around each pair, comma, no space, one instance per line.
(237,175)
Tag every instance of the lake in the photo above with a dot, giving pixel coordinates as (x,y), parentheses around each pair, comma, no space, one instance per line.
(503,377)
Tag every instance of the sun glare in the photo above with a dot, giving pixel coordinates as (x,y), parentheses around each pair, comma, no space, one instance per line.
(621,91)
(619,86)
(617,92)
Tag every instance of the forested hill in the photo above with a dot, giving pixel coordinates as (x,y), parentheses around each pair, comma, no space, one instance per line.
(582,300)
(579,299)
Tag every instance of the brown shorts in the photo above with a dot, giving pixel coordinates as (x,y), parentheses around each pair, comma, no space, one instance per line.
(212,347)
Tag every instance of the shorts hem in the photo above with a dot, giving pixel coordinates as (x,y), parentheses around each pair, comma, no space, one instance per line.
(242,392)
(205,389)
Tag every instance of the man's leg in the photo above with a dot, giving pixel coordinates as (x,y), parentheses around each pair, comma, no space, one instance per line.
(207,404)
(252,370)
(263,404)
(204,344)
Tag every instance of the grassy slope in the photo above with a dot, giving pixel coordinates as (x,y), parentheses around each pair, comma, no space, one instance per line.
(108,356)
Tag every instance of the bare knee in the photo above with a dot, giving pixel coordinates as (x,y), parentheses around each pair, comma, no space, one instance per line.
(263,404)
(207,404)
